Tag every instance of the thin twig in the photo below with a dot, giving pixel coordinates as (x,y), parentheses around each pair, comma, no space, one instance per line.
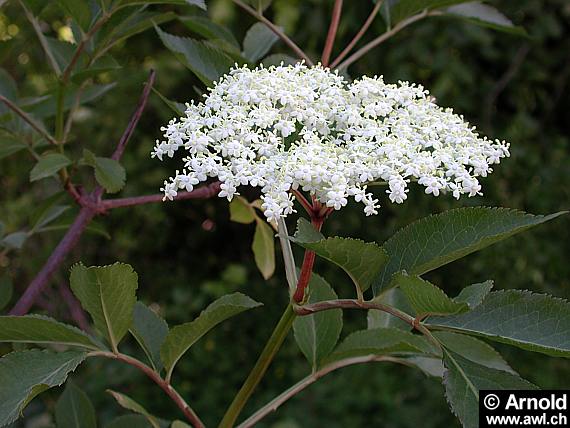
(28,120)
(359,35)
(303,201)
(274,404)
(135,117)
(203,192)
(331,35)
(380,39)
(276,30)
(288,259)
(188,412)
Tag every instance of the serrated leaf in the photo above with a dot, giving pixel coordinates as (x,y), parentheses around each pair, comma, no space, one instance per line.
(74,409)
(42,330)
(108,294)
(395,298)
(474,294)
(485,16)
(473,349)
(49,165)
(109,173)
(430,366)
(258,41)
(317,334)
(176,107)
(463,379)
(381,341)
(10,146)
(25,374)
(128,403)
(437,240)
(150,331)
(79,10)
(207,62)
(427,299)
(263,248)
(182,337)
(362,261)
(241,211)
(536,322)
(6,290)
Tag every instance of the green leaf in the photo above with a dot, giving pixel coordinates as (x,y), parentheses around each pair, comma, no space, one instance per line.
(109,173)
(381,341)
(317,334)
(398,10)
(6,290)
(15,240)
(150,331)
(10,146)
(473,349)
(241,211)
(179,424)
(362,261)
(182,337)
(258,41)
(108,294)
(102,65)
(207,62)
(430,366)
(474,294)
(43,330)
(74,409)
(130,404)
(210,30)
(130,421)
(25,374)
(536,322)
(464,379)
(485,16)
(79,10)
(259,5)
(437,240)
(176,107)
(49,165)
(263,248)
(393,297)
(427,299)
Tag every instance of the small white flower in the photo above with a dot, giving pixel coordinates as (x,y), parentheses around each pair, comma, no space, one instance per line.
(295,127)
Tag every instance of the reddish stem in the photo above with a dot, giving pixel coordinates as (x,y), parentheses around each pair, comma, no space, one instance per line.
(335,19)
(54,261)
(307,267)
(303,201)
(359,35)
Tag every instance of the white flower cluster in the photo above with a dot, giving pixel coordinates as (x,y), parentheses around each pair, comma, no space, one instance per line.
(295,127)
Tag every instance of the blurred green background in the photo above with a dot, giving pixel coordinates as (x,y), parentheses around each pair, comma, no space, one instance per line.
(189,253)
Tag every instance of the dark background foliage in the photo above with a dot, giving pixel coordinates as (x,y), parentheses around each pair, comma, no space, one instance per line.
(188,253)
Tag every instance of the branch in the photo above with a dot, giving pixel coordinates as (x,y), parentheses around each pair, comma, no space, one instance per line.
(276,30)
(54,261)
(155,377)
(382,38)
(203,192)
(27,118)
(274,404)
(307,266)
(135,117)
(335,19)
(359,35)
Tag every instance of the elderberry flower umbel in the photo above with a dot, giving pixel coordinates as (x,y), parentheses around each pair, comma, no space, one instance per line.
(296,127)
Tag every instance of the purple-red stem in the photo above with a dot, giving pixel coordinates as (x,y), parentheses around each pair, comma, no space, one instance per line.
(335,19)
(307,266)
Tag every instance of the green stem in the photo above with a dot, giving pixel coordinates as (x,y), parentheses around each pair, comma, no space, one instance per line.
(272,346)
